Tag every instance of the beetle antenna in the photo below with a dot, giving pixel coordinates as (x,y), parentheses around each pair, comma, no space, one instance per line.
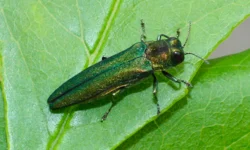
(143,35)
(207,62)
(187,35)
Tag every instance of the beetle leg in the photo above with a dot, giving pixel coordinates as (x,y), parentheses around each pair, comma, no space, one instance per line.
(155,84)
(155,87)
(175,79)
(118,91)
(178,33)
(162,35)
(143,35)
(104,117)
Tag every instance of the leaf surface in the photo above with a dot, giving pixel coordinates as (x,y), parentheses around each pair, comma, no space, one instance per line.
(44,43)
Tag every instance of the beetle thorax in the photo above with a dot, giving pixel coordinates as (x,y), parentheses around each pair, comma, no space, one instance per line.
(158,53)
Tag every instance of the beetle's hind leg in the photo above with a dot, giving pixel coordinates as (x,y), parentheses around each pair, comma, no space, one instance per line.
(155,88)
(104,117)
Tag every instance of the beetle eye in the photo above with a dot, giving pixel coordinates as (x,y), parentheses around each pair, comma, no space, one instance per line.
(177,57)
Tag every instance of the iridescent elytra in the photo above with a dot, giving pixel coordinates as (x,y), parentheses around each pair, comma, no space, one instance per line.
(115,73)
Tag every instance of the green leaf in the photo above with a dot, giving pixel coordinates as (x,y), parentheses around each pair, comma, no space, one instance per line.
(44,43)
(3,141)
(215,114)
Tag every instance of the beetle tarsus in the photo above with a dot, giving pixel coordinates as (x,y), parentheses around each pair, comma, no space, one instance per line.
(157,104)
(158,109)
(178,33)
(143,35)
(187,83)
(104,117)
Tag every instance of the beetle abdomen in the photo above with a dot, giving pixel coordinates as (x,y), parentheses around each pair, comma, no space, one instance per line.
(107,81)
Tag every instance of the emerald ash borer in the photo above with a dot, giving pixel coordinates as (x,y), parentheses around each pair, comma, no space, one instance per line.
(115,73)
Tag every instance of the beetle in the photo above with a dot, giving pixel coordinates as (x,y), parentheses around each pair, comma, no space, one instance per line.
(115,73)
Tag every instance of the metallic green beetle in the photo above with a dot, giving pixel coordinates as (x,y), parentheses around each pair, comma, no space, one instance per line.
(119,71)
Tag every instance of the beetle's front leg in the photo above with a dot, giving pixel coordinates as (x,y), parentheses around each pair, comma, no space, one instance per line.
(175,79)
(178,33)
(143,35)
(155,88)
(162,35)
